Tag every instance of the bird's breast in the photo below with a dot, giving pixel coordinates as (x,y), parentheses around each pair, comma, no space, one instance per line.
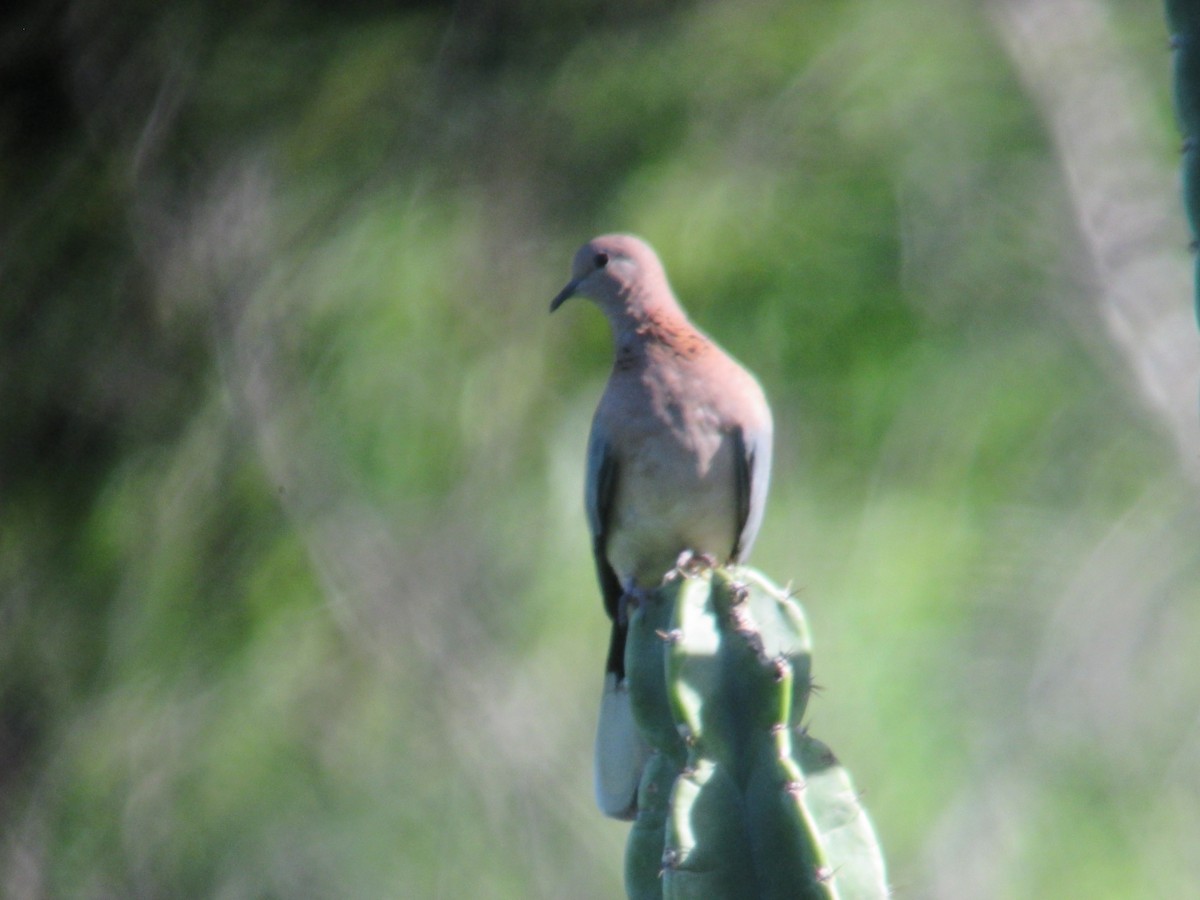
(675,487)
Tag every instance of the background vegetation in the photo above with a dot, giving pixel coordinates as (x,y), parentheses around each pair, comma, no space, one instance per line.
(295,594)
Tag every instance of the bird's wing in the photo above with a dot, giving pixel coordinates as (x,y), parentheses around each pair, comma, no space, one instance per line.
(599,491)
(752,471)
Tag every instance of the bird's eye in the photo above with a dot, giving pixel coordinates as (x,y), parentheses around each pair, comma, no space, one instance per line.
(600,260)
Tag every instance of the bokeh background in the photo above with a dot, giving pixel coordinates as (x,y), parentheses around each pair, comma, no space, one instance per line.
(295,589)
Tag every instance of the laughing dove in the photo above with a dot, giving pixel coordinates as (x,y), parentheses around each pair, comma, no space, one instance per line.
(678,459)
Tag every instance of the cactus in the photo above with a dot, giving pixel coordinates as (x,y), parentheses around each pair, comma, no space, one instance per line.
(737,800)
(1183,18)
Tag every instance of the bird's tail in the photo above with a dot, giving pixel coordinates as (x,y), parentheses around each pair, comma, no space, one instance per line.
(621,753)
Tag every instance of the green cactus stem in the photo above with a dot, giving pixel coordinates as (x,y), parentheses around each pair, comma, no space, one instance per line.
(737,800)
(1183,18)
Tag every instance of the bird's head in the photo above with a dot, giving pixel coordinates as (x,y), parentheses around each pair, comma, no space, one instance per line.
(619,272)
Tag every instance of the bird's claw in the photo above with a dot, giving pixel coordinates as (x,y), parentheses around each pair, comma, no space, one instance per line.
(692,563)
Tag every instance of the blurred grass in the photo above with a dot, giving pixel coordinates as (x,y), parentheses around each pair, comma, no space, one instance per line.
(295,593)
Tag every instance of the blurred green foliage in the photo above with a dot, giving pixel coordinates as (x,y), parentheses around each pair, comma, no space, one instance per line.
(295,596)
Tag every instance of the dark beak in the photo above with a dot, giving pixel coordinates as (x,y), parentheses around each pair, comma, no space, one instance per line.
(565,294)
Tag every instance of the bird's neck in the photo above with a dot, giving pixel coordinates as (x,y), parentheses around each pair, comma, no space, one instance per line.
(640,331)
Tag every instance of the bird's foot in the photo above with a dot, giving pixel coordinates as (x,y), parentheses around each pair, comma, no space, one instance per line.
(691,563)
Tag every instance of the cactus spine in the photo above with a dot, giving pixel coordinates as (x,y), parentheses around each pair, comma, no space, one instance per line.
(737,800)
